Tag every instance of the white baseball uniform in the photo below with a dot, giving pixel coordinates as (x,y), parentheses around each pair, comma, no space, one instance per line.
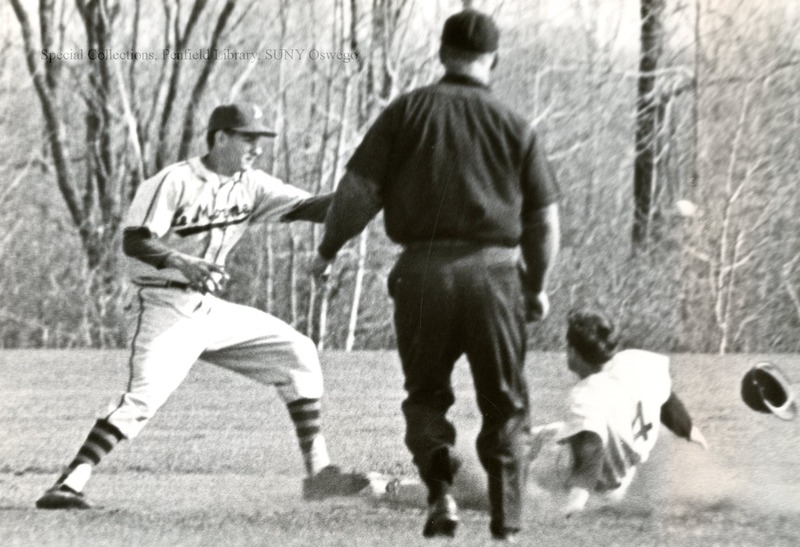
(622,405)
(200,213)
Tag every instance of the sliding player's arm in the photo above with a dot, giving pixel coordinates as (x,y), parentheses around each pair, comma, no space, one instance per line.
(587,458)
(676,418)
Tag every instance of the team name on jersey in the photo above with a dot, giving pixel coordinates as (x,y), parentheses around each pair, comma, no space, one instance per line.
(204,215)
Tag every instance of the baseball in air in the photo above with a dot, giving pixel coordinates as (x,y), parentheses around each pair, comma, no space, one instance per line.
(686,208)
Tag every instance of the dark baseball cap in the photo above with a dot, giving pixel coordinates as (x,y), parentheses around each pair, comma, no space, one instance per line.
(471,30)
(240,118)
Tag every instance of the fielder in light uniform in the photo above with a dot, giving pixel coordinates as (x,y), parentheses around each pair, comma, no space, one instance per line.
(181,226)
(615,412)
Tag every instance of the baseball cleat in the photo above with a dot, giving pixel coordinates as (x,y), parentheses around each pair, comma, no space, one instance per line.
(332,482)
(63,497)
(506,537)
(442,518)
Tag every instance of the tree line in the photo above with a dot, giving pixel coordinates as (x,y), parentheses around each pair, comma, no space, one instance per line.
(643,105)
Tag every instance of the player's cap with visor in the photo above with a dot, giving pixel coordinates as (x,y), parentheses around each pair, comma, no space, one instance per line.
(764,388)
(239,118)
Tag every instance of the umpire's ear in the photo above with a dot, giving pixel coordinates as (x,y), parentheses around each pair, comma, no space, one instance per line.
(214,138)
(495,60)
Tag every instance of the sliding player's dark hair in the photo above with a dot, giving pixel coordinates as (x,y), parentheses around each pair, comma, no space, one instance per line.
(593,335)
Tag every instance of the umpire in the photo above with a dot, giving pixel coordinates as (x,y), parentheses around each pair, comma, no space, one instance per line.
(465,185)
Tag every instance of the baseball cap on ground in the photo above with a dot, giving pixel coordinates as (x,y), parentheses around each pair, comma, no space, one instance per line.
(764,388)
(241,118)
(471,30)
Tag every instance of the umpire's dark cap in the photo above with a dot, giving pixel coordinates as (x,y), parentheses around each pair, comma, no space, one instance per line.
(471,30)
(239,118)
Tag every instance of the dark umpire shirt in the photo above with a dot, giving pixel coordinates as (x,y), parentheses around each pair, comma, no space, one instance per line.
(453,163)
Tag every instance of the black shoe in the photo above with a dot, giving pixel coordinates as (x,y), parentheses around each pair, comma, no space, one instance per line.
(331,482)
(442,518)
(63,497)
(505,535)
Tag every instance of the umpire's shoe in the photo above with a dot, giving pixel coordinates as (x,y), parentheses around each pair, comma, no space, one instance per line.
(331,482)
(63,497)
(506,536)
(442,518)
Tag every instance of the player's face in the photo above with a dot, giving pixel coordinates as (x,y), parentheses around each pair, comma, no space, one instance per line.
(241,150)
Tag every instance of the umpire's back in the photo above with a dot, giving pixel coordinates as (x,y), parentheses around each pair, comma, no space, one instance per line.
(461,166)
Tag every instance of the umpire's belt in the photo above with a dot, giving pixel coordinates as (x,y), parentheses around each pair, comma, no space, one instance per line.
(453,244)
(163,284)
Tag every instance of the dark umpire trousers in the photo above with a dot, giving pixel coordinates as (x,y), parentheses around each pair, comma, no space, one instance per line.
(454,298)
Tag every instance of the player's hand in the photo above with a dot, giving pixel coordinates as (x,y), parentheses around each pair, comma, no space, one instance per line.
(321,269)
(576,501)
(202,275)
(696,436)
(537,306)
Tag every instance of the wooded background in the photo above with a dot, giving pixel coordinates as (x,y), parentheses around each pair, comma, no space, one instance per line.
(643,104)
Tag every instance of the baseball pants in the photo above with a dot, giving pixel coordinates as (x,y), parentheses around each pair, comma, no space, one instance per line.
(455,300)
(173,328)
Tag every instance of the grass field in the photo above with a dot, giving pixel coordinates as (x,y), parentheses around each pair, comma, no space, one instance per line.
(219,464)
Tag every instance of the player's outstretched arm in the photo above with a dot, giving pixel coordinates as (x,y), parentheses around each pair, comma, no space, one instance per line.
(311,209)
(676,418)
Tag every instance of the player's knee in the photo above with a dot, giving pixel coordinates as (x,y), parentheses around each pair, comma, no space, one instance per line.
(304,351)
(302,385)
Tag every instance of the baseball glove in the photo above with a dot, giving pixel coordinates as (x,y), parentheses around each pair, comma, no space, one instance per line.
(766,389)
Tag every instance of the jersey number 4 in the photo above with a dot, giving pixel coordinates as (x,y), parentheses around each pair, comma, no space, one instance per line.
(640,427)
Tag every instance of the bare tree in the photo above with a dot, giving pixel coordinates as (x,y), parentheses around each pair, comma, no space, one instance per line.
(97,173)
(94,203)
(388,33)
(188,131)
(644,175)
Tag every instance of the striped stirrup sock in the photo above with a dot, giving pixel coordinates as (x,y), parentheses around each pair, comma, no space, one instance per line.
(306,416)
(101,440)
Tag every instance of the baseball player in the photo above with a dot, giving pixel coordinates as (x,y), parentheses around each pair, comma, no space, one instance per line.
(181,226)
(615,412)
